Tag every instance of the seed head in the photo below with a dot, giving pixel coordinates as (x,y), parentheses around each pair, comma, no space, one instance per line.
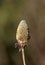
(22,32)
(22,35)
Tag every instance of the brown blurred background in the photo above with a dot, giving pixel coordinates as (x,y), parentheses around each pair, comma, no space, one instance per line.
(11,13)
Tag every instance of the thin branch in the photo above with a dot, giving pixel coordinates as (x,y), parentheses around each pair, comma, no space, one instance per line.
(23,57)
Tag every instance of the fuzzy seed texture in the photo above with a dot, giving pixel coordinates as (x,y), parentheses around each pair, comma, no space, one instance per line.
(22,32)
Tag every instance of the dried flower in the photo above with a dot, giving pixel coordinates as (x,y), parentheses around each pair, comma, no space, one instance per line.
(22,34)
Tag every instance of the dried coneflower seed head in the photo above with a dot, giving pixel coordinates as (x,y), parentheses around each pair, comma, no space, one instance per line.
(22,33)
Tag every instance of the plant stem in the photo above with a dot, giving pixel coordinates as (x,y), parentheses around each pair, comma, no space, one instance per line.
(23,57)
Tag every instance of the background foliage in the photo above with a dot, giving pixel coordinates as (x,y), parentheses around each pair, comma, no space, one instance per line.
(11,13)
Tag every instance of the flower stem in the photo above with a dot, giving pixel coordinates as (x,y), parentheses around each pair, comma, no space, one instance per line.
(23,57)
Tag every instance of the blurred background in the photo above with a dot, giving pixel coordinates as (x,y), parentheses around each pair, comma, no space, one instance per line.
(11,13)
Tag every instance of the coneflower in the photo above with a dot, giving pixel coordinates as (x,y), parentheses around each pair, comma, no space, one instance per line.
(22,37)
